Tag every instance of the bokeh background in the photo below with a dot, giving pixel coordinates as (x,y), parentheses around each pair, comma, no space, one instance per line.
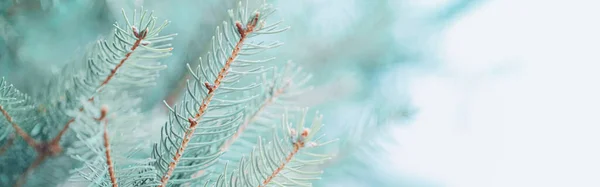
(421,92)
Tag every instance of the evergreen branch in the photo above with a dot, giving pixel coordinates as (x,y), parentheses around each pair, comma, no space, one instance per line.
(192,49)
(57,138)
(228,104)
(30,141)
(279,93)
(211,90)
(16,106)
(109,162)
(37,162)
(254,116)
(126,53)
(283,161)
(140,36)
(247,122)
(297,146)
(44,150)
(53,147)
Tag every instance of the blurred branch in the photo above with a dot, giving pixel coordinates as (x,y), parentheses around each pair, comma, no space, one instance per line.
(455,9)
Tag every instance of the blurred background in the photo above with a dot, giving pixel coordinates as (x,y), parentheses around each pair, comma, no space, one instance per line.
(422,93)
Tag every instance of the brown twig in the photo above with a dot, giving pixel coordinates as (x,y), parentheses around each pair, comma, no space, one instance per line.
(297,146)
(206,101)
(111,169)
(30,141)
(57,138)
(109,163)
(140,37)
(23,178)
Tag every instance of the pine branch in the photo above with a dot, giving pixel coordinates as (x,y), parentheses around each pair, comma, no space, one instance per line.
(140,36)
(211,90)
(53,147)
(121,55)
(280,87)
(274,94)
(120,166)
(115,66)
(279,95)
(297,146)
(43,149)
(109,162)
(30,141)
(254,116)
(37,162)
(216,101)
(283,161)
(99,75)
(16,106)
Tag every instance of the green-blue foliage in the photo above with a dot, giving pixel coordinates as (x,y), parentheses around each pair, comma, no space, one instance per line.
(59,51)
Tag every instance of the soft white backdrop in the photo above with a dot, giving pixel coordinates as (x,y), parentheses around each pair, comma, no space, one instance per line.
(516,101)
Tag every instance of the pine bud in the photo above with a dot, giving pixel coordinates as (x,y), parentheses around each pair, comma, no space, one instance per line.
(305,132)
(210,87)
(240,28)
(103,113)
(193,123)
(143,33)
(254,20)
(135,31)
